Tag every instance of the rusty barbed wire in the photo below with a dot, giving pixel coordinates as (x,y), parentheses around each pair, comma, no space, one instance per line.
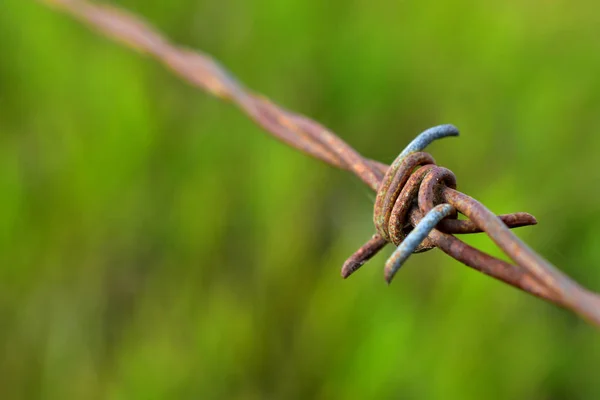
(417,202)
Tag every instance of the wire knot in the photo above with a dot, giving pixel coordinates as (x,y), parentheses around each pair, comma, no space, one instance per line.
(400,191)
(411,182)
(412,201)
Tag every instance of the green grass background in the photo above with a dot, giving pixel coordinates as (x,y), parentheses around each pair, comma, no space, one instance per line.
(155,244)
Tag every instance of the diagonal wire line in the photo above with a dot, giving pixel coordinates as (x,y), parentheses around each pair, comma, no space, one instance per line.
(531,273)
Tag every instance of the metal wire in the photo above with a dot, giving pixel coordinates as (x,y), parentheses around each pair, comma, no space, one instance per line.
(413,195)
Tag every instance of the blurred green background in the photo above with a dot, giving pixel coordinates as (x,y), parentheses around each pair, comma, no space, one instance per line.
(141,254)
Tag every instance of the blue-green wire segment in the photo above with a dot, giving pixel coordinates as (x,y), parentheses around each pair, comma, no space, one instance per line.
(425,138)
(414,238)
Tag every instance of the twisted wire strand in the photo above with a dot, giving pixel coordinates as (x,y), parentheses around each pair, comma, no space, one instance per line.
(531,273)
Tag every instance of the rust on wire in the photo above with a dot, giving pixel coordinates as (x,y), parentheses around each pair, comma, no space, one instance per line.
(417,202)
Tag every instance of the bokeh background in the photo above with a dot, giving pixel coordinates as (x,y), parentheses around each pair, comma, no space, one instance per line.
(156,244)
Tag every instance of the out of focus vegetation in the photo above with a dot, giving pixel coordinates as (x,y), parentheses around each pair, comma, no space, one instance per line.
(154,243)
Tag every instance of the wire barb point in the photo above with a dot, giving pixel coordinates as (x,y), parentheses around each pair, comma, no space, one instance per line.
(412,241)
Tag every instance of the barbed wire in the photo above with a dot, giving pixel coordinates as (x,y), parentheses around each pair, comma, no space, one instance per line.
(417,202)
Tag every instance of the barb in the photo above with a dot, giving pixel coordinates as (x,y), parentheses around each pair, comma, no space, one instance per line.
(414,239)
(416,200)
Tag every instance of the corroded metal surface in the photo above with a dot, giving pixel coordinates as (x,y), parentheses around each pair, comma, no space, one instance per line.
(413,190)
